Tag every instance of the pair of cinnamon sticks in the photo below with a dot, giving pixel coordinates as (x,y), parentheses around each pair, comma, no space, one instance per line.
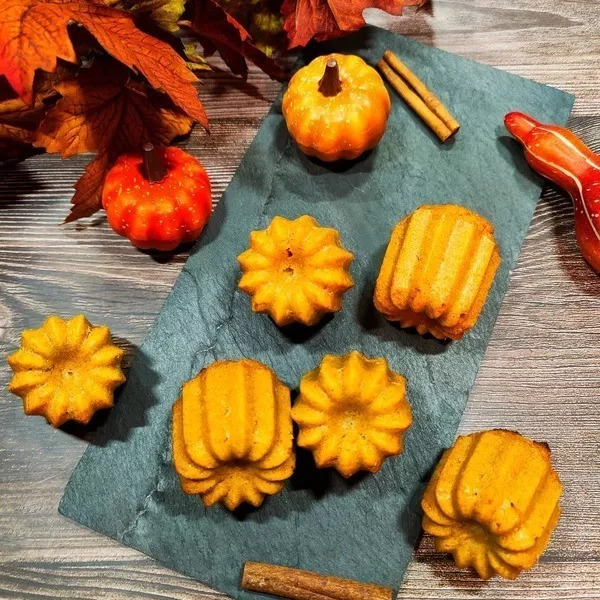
(296,584)
(418,96)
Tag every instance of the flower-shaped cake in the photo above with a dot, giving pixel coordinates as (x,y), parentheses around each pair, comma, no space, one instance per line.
(493,502)
(232,434)
(352,413)
(66,370)
(296,271)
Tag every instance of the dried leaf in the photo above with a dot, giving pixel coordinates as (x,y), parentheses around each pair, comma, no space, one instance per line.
(325,19)
(217,30)
(19,121)
(165,13)
(33,34)
(262,19)
(195,58)
(104,111)
(88,190)
(267,32)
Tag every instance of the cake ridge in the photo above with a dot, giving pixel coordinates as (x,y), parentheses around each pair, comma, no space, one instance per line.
(437,270)
(493,502)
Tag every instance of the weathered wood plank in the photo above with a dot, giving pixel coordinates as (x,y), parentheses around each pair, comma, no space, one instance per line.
(540,375)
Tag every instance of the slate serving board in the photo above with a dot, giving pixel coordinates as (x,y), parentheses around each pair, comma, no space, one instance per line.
(366,527)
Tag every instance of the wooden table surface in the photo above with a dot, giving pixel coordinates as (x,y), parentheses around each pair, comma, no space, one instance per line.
(541,374)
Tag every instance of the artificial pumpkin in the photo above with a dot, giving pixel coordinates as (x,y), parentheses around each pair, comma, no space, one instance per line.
(336,107)
(158,199)
(493,502)
(66,370)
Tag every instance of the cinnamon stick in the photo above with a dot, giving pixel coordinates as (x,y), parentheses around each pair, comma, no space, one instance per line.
(415,102)
(428,97)
(296,584)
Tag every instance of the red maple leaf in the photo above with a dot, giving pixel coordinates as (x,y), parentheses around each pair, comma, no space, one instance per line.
(33,34)
(324,19)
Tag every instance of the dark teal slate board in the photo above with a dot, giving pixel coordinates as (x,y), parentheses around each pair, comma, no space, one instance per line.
(365,528)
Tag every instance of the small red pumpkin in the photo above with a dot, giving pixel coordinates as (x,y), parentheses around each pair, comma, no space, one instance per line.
(158,199)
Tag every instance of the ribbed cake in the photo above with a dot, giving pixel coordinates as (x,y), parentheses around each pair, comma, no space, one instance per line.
(66,370)
(493,502)
(352,413)
(232,434)
(295,271)
(437,270)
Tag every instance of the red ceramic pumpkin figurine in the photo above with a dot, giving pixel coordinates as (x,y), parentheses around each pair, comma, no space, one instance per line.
(158,199)
(556,153)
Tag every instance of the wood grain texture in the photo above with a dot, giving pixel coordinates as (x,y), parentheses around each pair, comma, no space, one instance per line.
(541,374)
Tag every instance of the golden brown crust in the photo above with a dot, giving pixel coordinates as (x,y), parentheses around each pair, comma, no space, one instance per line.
(493,502)
(66,370)
(232,434)
(295,271)
(437,270)
(352,413)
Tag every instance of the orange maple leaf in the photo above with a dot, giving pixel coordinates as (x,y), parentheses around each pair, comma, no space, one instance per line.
(102,110)
(19,120)
(33,34)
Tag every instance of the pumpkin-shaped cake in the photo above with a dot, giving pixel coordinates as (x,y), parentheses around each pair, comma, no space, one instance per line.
(352,413)
(66,370)
(295,271)
(437,270)
(336,107)
(232,434)
(493,502)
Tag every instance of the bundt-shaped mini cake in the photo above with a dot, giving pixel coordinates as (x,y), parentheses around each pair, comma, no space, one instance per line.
(493,502)
(437,270)
(352,413)
(296,271)
(66,370)
(232,434)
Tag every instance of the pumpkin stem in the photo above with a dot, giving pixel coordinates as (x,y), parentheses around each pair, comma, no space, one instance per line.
(330,84)
(154,167)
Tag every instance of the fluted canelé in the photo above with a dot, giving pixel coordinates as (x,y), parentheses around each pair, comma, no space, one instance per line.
(437,270)
(493,502)
(232,434)
(352,413)
(66,370)
(295,271)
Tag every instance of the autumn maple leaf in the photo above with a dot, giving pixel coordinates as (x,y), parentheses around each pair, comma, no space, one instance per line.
(165,13)
(262,19)
(16,130)
(19,121)
(33,34)
(325,19)
(218,30)
(103,110)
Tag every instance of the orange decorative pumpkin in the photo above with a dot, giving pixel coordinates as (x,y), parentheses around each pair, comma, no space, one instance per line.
(159,199)
(336,107)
